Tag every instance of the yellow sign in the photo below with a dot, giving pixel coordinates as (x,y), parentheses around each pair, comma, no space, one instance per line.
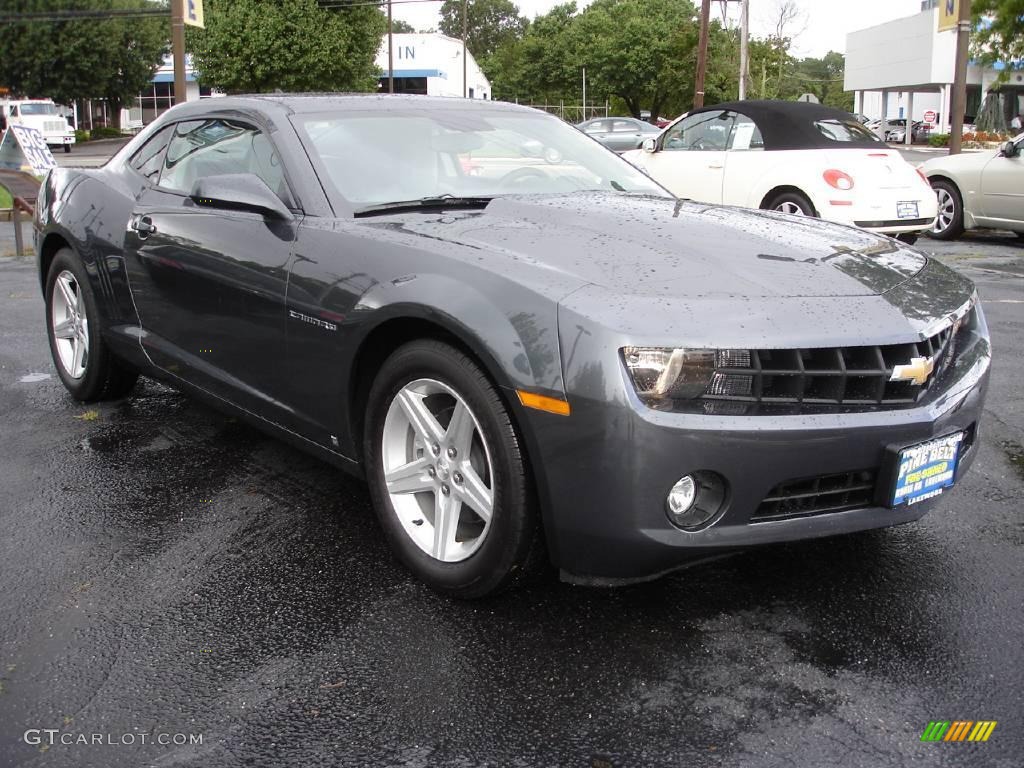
(949,14)
(194,12)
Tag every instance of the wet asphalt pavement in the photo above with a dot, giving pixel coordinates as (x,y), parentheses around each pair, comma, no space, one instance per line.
(165,570)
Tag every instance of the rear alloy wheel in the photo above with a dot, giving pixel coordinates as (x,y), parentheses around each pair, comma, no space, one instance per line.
(446,473)
(949,223)
(792,203)
(85,366)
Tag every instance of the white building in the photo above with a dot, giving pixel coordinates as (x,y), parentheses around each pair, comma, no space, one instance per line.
(904,68)
(431,64)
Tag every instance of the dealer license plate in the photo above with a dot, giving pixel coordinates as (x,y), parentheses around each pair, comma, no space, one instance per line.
(906,210)
(923,471)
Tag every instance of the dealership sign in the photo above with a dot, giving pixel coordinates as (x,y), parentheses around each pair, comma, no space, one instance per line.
(24,149)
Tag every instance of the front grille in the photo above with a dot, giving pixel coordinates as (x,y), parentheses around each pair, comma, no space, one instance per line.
(818,496)
(855,377)
(54,126)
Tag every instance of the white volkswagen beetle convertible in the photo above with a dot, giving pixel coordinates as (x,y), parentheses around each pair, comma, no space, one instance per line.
(793,157)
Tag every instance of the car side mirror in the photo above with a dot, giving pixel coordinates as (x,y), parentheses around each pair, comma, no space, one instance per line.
(649,145)
(1009,149)
(239,192)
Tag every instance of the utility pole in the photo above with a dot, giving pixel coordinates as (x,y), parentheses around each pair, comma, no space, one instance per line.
(584,94)
(959,100)
(178,49)
(465,67)
(391,52)
(702,53)
(744,47)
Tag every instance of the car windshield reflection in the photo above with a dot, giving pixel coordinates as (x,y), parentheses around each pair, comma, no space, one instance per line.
(380,158)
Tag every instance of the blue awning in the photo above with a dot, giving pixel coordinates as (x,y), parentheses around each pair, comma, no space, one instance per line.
(416,73)
(168,77)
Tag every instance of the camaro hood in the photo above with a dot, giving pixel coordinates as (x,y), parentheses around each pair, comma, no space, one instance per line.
(653,246)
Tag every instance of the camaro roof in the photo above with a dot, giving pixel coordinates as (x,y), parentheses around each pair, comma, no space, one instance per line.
(790,124)
(325,102)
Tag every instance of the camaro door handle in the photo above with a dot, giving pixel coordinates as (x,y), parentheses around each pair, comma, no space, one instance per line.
(716,167)
(144,226)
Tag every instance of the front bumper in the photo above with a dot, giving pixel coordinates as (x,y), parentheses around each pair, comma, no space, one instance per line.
(604,472)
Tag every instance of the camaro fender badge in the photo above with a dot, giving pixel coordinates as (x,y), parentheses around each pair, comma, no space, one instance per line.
(918,371)
(312,320)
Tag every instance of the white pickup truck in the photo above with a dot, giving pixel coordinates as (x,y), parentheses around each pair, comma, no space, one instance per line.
(42,115)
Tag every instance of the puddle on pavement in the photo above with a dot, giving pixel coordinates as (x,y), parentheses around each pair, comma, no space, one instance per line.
(34,378)
(1015,454)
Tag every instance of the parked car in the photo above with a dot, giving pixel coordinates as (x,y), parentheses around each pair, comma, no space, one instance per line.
(794,157)
(619,133)
(978,190)
(573,363)
(897,131)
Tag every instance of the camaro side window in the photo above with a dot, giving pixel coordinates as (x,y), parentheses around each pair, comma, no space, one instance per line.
(151,154)
(203,148)
(704,132)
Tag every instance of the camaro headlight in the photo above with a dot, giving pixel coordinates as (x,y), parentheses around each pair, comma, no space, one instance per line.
(669,374)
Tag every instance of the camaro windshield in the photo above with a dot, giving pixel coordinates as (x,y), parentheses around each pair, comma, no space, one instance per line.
(380,157)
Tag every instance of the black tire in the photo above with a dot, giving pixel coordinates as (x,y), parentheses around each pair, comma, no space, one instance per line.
(67,149)
(512,548)
(105,377)
(955,227)
(792,198)
(907,237)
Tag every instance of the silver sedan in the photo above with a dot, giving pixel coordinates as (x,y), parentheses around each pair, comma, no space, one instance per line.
(619,133)
(979,190)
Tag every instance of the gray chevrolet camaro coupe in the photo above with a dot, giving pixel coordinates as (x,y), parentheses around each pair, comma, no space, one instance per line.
(529,349)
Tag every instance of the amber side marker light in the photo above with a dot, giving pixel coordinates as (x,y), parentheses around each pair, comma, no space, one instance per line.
(544,403)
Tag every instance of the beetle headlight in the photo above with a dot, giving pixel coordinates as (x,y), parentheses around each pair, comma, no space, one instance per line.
(663,373)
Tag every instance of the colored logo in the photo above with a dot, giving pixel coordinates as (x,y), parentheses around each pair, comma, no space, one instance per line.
(918,371)
(958,730)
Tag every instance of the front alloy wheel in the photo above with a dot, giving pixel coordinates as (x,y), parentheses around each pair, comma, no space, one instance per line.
(440,479)
(449,481)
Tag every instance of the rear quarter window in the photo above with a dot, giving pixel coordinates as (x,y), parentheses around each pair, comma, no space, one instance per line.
(850,130)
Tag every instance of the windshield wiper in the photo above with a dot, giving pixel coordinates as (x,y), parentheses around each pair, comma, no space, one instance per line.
(434,201)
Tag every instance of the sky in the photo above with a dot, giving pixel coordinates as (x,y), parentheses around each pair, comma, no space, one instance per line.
(823,26)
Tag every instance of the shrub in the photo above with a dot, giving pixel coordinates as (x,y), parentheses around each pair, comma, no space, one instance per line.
(939,140)
(81,135)
(105,133)
(972,136)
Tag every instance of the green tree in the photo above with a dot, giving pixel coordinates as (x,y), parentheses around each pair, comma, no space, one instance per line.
(489,24)
(999,33)
(642,51)
(112,59)
(398,26)
(292,45)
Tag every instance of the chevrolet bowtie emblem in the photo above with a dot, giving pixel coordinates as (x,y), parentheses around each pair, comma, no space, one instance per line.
(918,371)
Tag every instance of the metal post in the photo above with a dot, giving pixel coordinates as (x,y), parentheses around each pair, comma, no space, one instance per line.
(584,93)
(702,53)
(465,84)
(744,47)
(178,49)
(959,105)
(908,137)
(391,51)
(19,242)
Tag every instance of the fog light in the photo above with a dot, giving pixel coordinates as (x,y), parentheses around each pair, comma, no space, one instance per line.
(696,500)
(682,496)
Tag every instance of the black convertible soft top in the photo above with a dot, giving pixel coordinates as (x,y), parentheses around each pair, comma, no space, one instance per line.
(791,124)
